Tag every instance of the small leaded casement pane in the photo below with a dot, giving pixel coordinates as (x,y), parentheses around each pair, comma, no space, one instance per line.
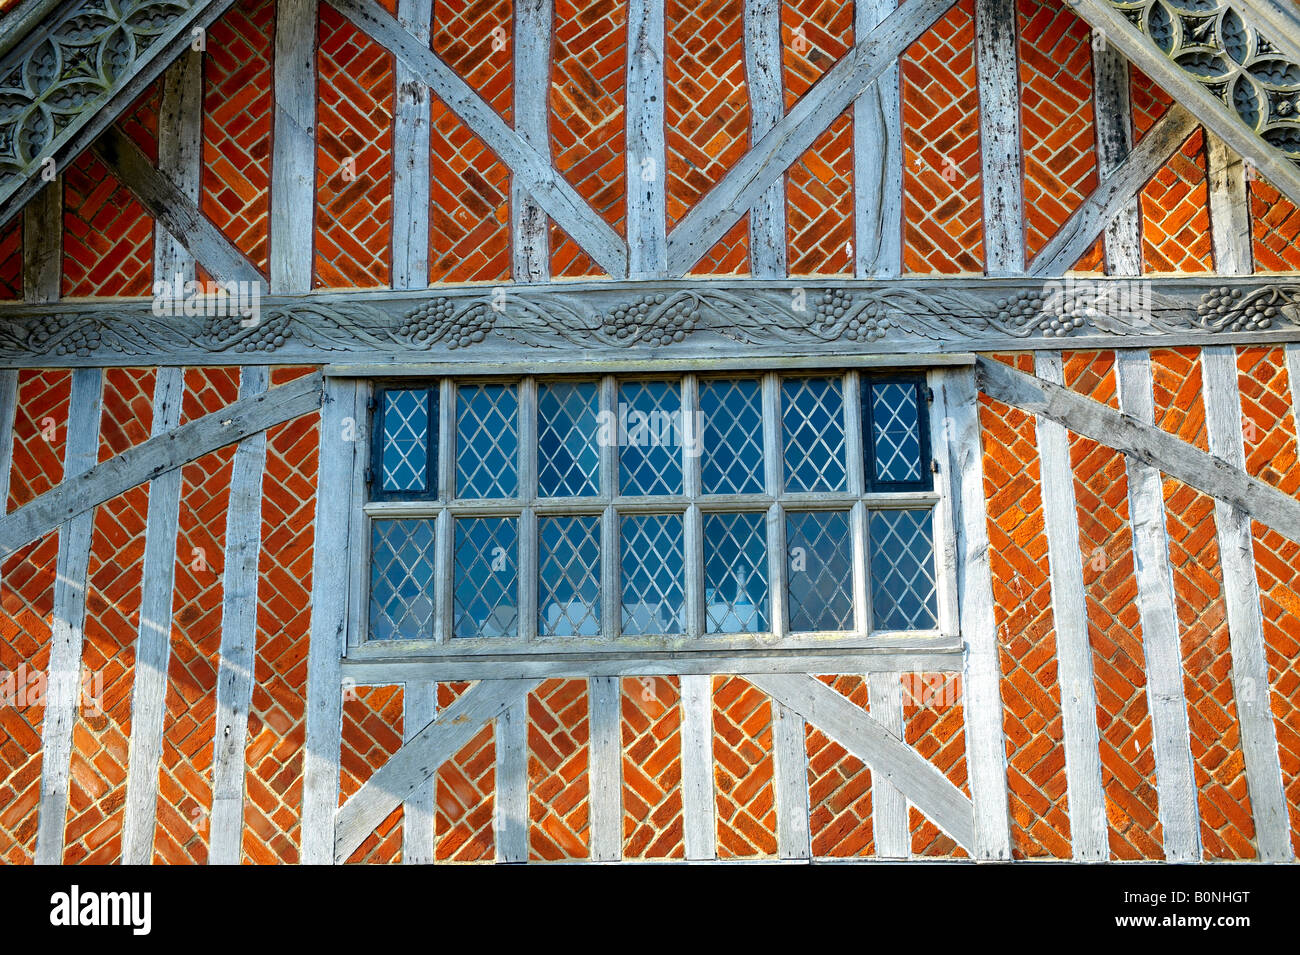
(568,577)
(731,452)
(896,449)
(650,434)
(568,458)
(486,602)
(487,441)
(812,421)
(401,579)
(735,573)
(902,570)
(404,463)
(651,555)
(820,571)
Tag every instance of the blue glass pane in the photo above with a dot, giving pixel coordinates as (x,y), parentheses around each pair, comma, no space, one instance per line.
(820,571)
(569,577)
(405,441)
(487,441)
(401,580)
(651,556)
(812,418)
(731,459)
(896,431)
(487,578)
(735,573)
(902,570)
(650,437)
(568,458)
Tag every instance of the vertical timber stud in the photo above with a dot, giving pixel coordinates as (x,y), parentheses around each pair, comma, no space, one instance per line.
(605,770)
(647,218)
(999,91)
(180,155)
(767,251)
(411,160)
(63,684)
(1175,777)
(986,752)
(530,253)
(877,161)
(419,709)
(1114,138)
(239,584)
(293,160)
(889,806)
(512,784)
(1230,230)
(698,808)
(1078,692)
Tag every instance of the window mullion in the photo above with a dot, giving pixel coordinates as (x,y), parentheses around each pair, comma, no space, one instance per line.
(444,530)
(693,568)
(528,516)
(777,559)
(610,568)
(857,480)
(945,521)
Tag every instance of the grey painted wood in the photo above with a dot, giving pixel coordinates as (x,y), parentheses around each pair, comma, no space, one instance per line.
(605,770)
(410,262)
(1114,140)
(170,205)
(82,490)
(419,709)
(21,19)
(699,808)
(877,161)
(1088,827)
(63,681)
(8,415)
(1230,229)
(835,715)
(790,782)
(1114,193)
(768,158)
(1250,675)
(239,586)
(889,820)
(1278,19)
(767,248)
(592,234)
(43,244)
(180,156)
(981,676)
(512,783)
(1205,472)
(418,760)
(293,156)
(530,233)
(647,212)
(998,66)
(335,506)
(1157,606)
(153,640)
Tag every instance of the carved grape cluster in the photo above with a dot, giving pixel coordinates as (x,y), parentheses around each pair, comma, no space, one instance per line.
(80,340)
(869,325)
(1029,312)
(833,306)
(266,335)
(437,320)
(1233,310)
(646,319)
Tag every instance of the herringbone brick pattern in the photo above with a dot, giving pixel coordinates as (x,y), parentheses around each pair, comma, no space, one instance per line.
(819,185)
(1227,827)
(236,182)
(354,157)
(11,259)
(40,433)
(706,114)
(476,39)
(742,769)
(934,724)
(558,785)
(1275,226)
(1114,630)
(185,773)
(589,60)
(464,793)
(729,255)
(839,786)
(942,227)
(102,732)
(277,720)
(1057,131)
(1022,599)
(372,733)
(652,768)
(1271,455)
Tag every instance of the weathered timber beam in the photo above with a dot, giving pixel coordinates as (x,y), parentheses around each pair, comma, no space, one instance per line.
(157,456)
(178,212)
(546,184)
(888,757)
(420,757)
(1278,19)
(1147,444)
(1114,193)
(747,181)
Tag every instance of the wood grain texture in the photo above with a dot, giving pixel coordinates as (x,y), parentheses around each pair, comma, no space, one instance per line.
(530,234)
(43,244)
(997,64)
(889,821)
(790,782)
(293,157)
(699,809)
(511,807)
(1113,117)
(767,247)
(411,154)
(647,175)
(419,709)
(180,156)
(605,769)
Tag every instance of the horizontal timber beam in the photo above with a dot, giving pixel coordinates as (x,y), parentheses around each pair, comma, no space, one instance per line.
(1142,442)
(630,321)
(158,456)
